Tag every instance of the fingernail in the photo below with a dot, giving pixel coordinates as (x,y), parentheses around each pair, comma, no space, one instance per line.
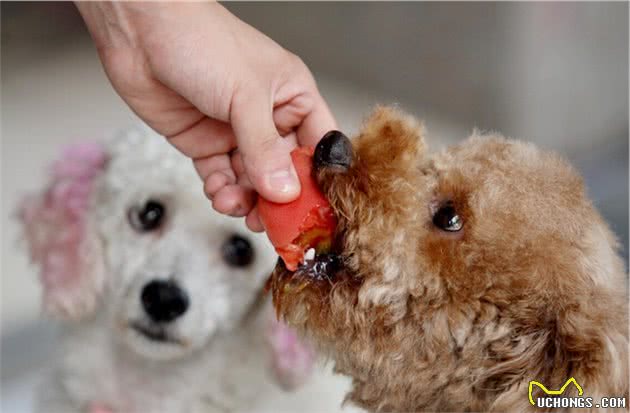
(283,180)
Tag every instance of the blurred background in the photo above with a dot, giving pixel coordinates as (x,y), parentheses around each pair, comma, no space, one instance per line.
(552,73)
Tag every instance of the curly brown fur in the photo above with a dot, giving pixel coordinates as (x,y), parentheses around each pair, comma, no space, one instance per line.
(531,288)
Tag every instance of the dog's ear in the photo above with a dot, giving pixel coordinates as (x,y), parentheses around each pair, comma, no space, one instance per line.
(585,338)
(390,143)
(594,341)
(292,359)
(386,160)
(59,232)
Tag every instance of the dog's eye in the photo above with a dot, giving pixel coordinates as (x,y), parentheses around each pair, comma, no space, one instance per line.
(447,218)
(147,218)
(237,251)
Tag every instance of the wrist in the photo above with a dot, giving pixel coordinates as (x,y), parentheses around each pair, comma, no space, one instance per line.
(114,24)
(108,23)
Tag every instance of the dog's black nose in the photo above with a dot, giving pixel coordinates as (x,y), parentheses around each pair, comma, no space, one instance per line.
(334,152)
(163,301)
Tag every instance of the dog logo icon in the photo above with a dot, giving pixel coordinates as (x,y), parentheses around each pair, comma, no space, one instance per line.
(553,392)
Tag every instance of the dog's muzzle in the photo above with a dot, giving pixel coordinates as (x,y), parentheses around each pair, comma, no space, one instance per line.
(333,154)
(164,301)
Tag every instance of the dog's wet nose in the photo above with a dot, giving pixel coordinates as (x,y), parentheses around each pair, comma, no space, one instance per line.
(164,301)
(334,151)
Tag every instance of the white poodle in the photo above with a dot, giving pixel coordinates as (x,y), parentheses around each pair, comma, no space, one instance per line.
(161,298)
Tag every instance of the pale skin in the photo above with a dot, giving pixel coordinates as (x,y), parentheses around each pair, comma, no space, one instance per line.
(223,93)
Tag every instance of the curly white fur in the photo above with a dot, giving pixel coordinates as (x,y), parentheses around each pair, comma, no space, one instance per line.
(217,356)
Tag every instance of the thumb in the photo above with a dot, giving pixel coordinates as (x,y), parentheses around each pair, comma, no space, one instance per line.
(266,155)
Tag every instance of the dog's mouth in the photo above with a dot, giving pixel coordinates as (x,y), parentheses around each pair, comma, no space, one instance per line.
(318,271)
(316,267)
(321,267)
(154,333)
(318,264)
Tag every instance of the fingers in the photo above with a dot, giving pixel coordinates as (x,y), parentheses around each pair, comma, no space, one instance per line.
(230,180)
(234,200)
(205,138)
(215,182)
(266,155)
(208,143)
(210,164)
(226,184)
(262,163)
(216,172)
(253,221)
(307,117)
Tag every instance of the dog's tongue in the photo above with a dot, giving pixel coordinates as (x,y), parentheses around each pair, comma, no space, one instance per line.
(308,222)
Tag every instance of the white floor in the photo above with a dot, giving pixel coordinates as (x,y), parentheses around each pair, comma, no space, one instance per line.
(323,393)
(17,395)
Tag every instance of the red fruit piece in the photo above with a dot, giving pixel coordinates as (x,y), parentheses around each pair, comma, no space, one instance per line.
(308,222)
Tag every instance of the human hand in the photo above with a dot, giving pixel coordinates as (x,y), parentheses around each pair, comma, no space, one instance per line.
(223,93)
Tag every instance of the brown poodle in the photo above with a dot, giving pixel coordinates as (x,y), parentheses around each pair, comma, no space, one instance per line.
(461,276)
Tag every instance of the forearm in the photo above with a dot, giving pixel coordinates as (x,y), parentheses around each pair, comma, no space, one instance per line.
(114,24)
